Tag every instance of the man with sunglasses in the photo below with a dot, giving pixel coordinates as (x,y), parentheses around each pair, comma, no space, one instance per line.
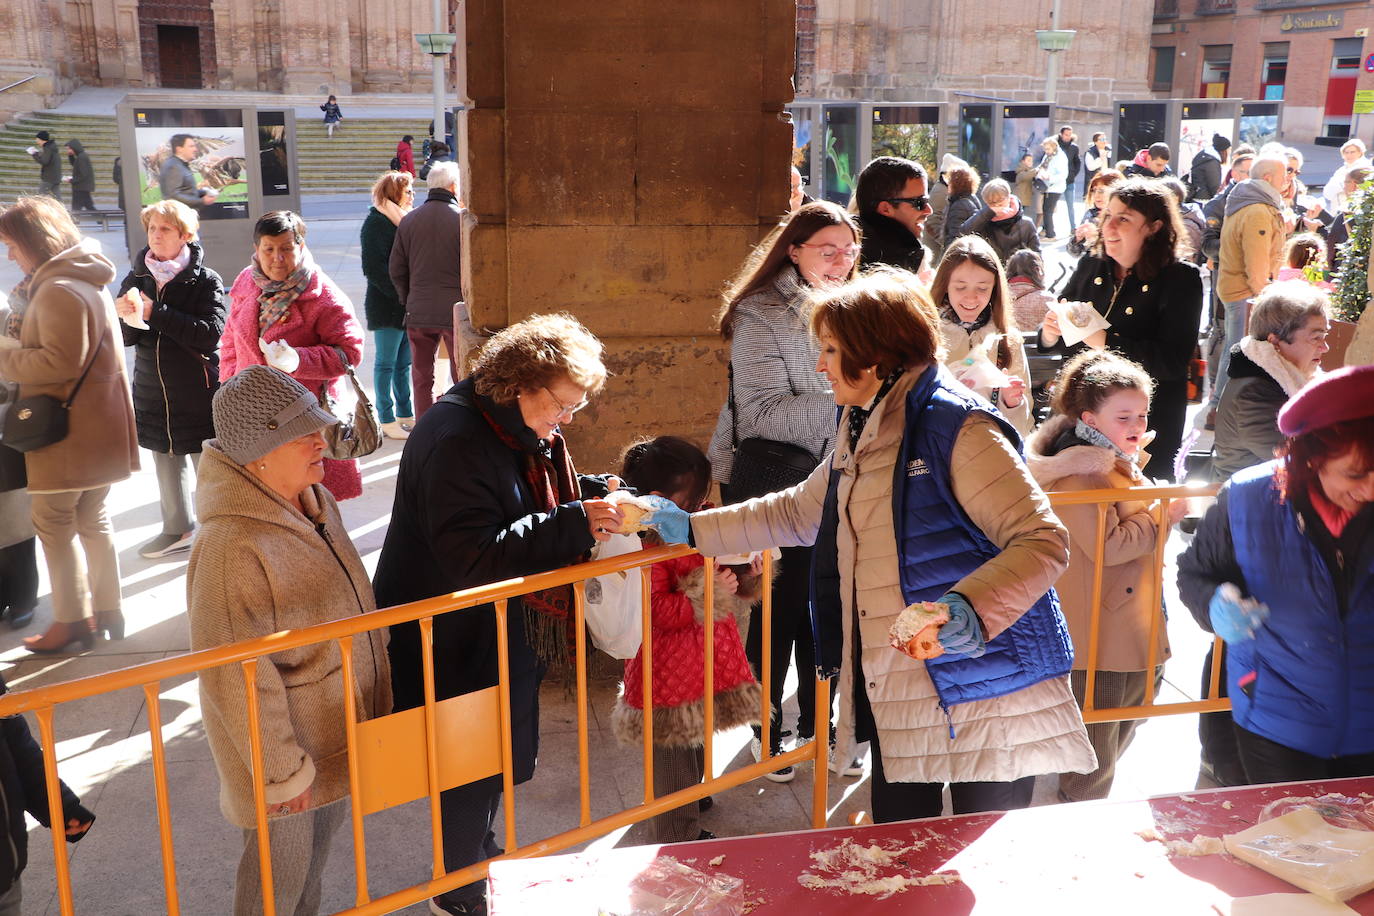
(890,196)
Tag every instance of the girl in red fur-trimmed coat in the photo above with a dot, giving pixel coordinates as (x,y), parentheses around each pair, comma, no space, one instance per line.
(678,470)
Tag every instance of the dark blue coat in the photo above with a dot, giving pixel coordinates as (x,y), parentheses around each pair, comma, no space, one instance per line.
(939,545)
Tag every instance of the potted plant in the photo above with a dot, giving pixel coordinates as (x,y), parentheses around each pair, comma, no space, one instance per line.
(1352,330)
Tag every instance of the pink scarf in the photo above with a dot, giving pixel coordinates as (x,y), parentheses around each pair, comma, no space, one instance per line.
(164,271)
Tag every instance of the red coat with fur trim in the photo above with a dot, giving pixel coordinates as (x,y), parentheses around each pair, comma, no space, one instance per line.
(320,319)
(679,648)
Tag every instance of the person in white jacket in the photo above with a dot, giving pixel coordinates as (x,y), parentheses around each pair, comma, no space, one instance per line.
(1054,171)
(1353,156)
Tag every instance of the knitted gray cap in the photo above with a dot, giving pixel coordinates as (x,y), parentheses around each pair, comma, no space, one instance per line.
(262,408)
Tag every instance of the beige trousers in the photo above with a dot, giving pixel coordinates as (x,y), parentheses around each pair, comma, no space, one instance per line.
(77,587)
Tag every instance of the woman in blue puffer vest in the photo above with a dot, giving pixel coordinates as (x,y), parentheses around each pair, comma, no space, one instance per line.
(926,498)
(1282,569)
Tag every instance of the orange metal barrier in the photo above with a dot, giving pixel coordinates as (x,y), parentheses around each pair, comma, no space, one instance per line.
(1102,499)
(417,753)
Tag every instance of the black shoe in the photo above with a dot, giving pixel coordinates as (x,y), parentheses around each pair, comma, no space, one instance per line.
(705,835)
(705,804)
(18,617)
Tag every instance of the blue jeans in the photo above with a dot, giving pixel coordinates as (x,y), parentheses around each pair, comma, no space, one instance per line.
(391,374)
(1235,330)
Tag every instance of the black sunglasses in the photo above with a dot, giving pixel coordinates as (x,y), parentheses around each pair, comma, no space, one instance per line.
(919,203)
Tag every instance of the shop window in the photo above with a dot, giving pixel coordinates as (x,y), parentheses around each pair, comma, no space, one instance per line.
(1274,71)
(1216,71)
(1163,79)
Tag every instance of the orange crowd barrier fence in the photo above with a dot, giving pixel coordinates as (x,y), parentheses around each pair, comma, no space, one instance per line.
(417,753)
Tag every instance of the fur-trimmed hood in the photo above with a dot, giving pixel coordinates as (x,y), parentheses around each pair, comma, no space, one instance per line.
(1048,465)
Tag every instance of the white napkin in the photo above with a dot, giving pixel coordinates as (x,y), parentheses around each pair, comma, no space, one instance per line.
(280,355)
(134,320)
(1074,334)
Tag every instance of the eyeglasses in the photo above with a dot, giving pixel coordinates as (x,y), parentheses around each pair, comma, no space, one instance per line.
(1293,171)
(831,252)
(918,203)
(563,409)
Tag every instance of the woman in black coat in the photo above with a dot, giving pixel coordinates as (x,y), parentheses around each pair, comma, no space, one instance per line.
(962,203)
(1152,300)
(173,310)
(486,491)
(392,198)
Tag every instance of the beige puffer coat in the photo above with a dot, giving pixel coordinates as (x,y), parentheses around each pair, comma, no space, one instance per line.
(258,567)
(1034,731)
(1128,553)
(959,342)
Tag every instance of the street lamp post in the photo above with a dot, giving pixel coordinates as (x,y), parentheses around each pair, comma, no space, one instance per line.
(438,45)
(1053,40)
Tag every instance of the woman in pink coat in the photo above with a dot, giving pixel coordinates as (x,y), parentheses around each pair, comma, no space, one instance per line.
(284,312)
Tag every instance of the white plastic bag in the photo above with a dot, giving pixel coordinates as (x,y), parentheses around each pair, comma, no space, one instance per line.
(614,607)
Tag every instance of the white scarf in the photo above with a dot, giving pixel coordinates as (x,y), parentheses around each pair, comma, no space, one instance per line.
(1265,355)
(163,271)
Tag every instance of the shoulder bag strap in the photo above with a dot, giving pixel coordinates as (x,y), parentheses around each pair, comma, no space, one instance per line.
(67,404)
(734,435)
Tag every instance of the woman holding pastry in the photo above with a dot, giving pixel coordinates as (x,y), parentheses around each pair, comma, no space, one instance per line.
(1282,569)
(1151,301)
(171,308)
(925,499)
(285,312)
(777,399)
(487,491)
(979,334)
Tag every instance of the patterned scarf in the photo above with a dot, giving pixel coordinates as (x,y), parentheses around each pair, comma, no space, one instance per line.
(275,297)
(858,416)
(19,304)
(1094,436)
(552,480)
(948,313)
(164,271)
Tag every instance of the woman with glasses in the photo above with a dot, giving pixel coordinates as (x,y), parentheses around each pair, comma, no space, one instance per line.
(776,396)
(487,491)
(392,198)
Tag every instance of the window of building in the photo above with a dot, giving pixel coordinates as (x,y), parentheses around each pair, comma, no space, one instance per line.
(1274,71)
(1163,79)
(1216,71)
(1340,86)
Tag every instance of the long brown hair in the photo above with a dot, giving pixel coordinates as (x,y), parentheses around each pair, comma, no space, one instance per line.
(976,250)
(40,227)
(771,255)
(1149,198)
(1088,379)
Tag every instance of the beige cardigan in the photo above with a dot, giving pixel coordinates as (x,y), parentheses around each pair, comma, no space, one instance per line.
(1128,552)
(1034,731)
(259,566)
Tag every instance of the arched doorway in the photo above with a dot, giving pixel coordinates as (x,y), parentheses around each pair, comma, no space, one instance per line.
(178,43)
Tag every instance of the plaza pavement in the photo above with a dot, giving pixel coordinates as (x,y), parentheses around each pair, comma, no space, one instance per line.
(103,744)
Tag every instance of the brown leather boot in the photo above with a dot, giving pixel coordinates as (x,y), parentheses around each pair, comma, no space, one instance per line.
(61,635)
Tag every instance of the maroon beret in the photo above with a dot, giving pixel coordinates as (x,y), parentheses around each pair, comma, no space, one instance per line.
(1336,397)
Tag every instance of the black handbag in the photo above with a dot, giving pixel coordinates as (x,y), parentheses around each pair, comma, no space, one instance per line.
(13,472)
(40,420)
(764,465)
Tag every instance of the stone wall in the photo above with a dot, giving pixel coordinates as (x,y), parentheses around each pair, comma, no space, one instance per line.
(621,163)
(930,50)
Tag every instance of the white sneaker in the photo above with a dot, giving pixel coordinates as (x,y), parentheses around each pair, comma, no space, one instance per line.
(164,545)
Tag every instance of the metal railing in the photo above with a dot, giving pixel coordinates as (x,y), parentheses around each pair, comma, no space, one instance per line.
(32,76)
(247,654)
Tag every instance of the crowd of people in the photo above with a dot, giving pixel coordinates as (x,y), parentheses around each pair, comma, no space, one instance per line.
(921,314)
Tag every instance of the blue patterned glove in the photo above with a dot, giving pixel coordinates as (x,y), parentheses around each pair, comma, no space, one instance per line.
(1235,619)
(670,521)
(963,635)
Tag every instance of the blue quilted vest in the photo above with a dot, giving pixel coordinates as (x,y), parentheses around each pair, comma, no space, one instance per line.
(937,545)
(1308,674)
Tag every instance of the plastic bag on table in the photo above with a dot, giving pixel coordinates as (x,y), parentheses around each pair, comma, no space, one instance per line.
(1338,810)
(1304,849)
(666,887)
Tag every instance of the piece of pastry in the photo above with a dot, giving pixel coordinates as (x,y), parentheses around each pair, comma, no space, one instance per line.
(917,629)
(1080,314)
(636,512)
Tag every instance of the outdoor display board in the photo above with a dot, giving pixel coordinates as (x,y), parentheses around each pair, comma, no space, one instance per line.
(833,141)
(210,143)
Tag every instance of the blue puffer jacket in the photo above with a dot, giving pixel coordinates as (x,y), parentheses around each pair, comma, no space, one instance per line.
(939,545)
(1309,672)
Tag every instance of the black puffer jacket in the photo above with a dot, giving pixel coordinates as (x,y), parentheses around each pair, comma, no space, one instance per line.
(886,241)
(176,363)
(465,515)
(22,788)
(958,211)
(1007,236)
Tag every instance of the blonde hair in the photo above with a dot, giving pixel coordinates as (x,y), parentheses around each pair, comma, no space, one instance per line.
(391,186)
(186,220)
(537,352)
(39,226)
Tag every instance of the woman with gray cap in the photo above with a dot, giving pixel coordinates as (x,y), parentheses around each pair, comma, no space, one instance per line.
(272,554)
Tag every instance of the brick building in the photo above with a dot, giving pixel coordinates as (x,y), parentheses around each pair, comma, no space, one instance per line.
(1313,56)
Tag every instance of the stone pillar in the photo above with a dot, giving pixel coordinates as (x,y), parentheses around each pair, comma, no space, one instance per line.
(621,162)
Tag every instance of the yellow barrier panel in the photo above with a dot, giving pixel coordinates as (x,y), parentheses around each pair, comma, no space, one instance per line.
(383,753)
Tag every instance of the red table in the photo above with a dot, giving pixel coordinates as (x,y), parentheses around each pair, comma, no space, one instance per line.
(1083,858)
